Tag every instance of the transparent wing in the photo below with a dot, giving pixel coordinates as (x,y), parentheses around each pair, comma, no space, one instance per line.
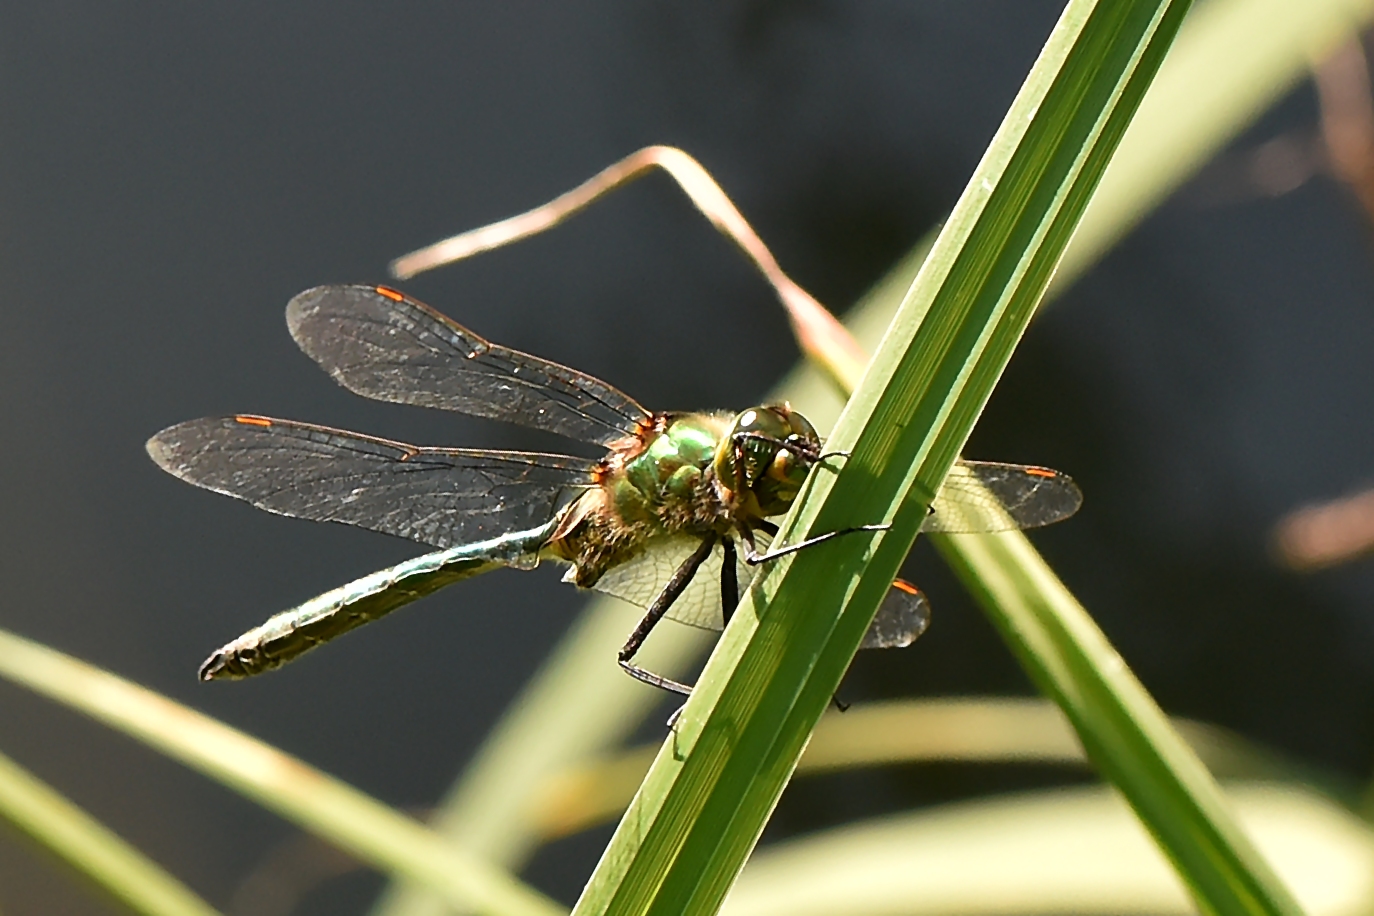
(981,496)
(902,617)
(639,579)
(383,345)
(437,496)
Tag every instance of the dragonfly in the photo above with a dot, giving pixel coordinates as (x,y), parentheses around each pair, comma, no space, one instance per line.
(675,516)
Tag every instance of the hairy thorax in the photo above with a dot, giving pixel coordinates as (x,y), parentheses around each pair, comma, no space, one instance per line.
(658,483)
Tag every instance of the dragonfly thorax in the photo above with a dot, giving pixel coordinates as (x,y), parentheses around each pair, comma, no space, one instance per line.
(691,474)
(656,482)
(671,466)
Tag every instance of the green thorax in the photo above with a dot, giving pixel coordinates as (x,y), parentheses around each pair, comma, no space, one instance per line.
(671,467)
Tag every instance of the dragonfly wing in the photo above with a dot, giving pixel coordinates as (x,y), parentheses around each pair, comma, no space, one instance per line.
(383,345)
(639,579)
(982,496)
(902,617)
(436,496)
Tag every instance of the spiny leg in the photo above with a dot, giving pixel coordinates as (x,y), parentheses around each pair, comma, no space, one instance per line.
(671,591)
(729,598)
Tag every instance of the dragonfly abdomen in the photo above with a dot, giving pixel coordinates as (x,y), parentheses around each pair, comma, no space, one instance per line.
(292,633)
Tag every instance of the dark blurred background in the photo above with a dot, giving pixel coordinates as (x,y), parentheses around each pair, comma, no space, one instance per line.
(173,173)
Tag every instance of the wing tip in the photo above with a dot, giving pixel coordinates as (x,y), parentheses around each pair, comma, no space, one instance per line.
(329,303)
(1073,498)
(166,448)
(902,618)
(303,306)
(157,450)
(175,448)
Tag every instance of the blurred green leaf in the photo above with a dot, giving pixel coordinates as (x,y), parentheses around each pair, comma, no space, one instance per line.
(1060,851)
(1230,63)
(1123,731)
(966,729)
(708,795)
(279,782)
(92,848)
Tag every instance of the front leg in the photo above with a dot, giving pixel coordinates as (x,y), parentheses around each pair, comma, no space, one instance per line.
(754,558)
(729,580)
(671,591)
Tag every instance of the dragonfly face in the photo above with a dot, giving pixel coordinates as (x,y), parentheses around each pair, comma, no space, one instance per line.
(763,460)
(654,521)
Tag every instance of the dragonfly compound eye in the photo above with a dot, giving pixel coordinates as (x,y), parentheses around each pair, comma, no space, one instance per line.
(781,482)
(766,454)
(802,430)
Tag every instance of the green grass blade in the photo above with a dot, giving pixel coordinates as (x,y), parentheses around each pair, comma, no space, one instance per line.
(1208,95)
(332,810)
(91,848)
(705,801)
(1123,731)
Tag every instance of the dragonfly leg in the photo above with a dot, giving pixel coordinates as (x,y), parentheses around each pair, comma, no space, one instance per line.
(670,593)
(729,600)
(729,580)
(747,539)
(754,558)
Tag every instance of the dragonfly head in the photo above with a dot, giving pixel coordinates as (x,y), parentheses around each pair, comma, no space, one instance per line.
(764,458)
